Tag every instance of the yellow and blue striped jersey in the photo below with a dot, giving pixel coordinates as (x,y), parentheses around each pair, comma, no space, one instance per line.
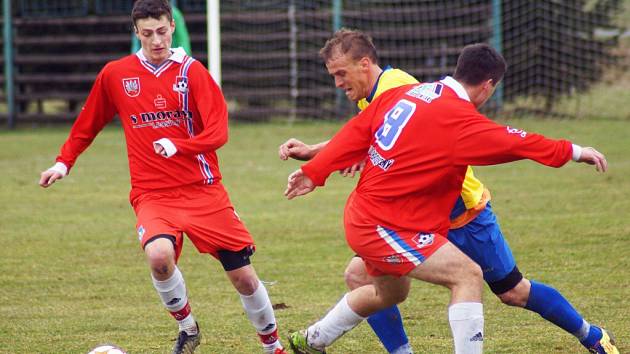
(472,189)
(388,79)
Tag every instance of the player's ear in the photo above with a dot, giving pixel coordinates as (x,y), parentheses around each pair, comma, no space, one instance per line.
(365,63)
(172,25)
(488,84)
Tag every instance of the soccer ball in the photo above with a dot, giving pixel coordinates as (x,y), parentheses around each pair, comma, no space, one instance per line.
(107,349)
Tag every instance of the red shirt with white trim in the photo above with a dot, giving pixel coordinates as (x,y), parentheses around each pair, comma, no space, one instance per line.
(419,139)
(177,100)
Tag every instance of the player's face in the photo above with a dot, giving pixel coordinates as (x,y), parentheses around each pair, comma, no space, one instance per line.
(156,37)
(350,75)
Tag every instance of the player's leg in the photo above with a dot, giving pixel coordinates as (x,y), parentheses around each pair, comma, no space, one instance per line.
(348,312)
(254,297)
(447,266)
(214,227)
(162,244)
(483,241)
(551,305)
(169,283)
(428,257)
(386,323)
(451,268)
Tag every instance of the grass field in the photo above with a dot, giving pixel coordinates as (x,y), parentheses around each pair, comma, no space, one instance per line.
(72,274)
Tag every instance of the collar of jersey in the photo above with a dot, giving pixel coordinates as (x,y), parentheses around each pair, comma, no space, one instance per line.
(457,87)
(177,55)
(370,97)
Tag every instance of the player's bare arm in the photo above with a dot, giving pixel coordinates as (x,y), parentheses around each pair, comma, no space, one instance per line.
(593,157)
(296,149)
(298,184)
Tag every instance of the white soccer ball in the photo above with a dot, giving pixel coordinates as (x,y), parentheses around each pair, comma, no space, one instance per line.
(107,349)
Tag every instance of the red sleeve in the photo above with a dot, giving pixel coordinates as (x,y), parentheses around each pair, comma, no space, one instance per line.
(95,114)
(347,147)
(484,142)
(211,105)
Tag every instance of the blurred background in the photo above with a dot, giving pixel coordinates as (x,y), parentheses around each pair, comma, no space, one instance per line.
(567,59)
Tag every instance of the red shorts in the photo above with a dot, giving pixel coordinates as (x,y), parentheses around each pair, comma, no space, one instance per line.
(203,212)
(384,250)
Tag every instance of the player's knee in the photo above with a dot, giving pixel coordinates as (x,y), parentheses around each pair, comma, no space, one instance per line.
(354,279)
(511,298)
(395,298)
(244,279)
(355,275)
(160,256)
(246,284)
(517,296)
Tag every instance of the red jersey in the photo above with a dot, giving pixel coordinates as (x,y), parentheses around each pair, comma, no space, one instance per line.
(419,139)
(177,100)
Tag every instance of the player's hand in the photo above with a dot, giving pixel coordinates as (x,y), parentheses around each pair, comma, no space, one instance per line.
(48,177)
(352,170)
(298,184)
(164,147)
(58,171)
(295,149)
(593,157)
(159,149)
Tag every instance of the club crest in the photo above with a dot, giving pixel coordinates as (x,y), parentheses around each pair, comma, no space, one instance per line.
(423,240)
(159,102)
(132,86)
(181,84)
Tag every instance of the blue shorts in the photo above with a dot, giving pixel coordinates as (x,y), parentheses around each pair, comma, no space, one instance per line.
(482,241)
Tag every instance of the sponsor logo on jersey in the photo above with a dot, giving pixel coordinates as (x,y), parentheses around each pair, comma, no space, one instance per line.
(131,86)
(426,92)
(159,102)
(378,160)
(516,131)
(393,259)
(181,84)
(423,240)
(159,119)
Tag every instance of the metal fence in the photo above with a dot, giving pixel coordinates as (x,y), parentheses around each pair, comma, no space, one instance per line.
(269,49)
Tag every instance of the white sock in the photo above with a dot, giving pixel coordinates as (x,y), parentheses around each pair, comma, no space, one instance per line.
(466,319)
(338,321)
(260,313)
(403,349)
(582,333)
(172,291)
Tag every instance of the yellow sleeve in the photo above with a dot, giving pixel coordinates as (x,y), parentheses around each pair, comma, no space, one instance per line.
(472,189)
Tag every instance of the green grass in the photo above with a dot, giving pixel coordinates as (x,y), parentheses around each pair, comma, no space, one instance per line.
(72,274)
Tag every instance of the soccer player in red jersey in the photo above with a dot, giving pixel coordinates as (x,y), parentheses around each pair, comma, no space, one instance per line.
(174,118)
(419,140)
(352,60)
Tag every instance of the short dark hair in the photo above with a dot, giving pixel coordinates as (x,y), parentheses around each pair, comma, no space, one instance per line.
(478,63)
(151,8)
(353,42)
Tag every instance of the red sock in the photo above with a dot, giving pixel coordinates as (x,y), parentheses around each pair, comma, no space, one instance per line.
(269,338)
(181,314)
